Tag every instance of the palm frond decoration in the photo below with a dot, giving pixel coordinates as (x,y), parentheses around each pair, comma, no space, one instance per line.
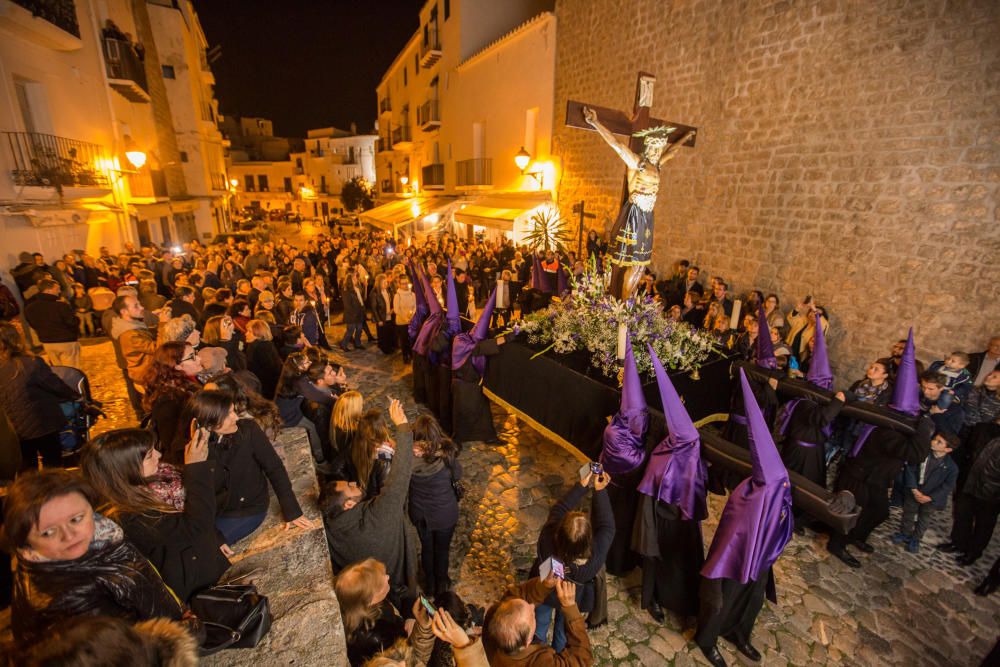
(548,230)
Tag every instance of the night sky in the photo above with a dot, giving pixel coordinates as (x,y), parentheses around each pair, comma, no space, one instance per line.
(305,63)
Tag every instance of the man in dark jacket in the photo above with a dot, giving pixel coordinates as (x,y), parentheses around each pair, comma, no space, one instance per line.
(947,420)
(56,324)
(304,316)
(183,303)
(976,507)
(377,528)
(354,312)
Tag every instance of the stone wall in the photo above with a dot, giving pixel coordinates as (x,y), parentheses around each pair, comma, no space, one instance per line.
(846,149)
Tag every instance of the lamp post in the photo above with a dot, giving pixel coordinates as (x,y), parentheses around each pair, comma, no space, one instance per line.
(522,159)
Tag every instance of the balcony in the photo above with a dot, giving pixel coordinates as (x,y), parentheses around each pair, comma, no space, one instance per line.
(219,182)
(383,145)
(427,116)
(47,161)
(433,176)
(386,186)
(474,172)
(49,23)
(384,105)
(148,184)
(430,48)
(126,71)
(402,139)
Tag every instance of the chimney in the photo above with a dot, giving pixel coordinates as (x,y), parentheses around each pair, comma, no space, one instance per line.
(354,128)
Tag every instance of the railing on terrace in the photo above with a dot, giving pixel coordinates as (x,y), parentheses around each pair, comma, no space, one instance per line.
(45,160)
(477,171)
(60,13)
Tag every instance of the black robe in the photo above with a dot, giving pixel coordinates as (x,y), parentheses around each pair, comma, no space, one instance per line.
(672,556)
(803,449)
(729,609)
(471,414)
(420,367)
(438,379)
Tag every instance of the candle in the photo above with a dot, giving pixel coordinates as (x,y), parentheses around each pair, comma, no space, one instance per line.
(734,321)
(622,340)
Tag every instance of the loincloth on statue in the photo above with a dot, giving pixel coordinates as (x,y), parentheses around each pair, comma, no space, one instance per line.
(634,244)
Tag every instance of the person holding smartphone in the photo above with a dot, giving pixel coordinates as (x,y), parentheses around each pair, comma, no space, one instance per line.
(581,543)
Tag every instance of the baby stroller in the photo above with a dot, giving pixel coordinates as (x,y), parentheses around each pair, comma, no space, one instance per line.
(80,414)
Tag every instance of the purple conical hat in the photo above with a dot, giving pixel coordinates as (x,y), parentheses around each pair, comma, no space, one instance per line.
(906,391)
(819,365)
(625,437)
(422,310)
(675,473)
(454,315)
(756,522)
(433,305)
(464,344)
(765,347)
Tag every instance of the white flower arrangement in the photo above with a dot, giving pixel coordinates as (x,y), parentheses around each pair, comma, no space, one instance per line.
(588,319)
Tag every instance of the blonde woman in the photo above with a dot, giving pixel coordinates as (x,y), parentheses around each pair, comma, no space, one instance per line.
(262,356)
(371,622)
(347,413)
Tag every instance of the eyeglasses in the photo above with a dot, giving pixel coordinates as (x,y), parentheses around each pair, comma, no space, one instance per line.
(190,357)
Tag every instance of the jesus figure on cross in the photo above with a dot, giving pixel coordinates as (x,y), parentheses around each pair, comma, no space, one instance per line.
(632,242)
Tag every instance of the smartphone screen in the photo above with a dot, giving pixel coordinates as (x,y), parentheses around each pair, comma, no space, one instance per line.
(427,605)
(596,468)
(551,566)
(585,470)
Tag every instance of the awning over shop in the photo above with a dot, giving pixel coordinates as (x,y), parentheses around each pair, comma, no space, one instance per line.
(401,212)
(500,210)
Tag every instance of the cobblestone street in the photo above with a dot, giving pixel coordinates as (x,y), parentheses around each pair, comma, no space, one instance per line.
(898,609)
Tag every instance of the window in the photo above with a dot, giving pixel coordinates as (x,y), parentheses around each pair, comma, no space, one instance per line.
(447,9)
(184,156)
(288,184)
(168,72)
(262,182)
(248,183)
(416,62)
(405,77)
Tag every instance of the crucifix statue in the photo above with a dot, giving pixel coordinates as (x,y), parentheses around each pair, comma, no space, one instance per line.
(651,144)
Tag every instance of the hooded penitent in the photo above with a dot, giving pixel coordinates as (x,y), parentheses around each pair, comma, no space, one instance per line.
(464,344)
(675,473)
(625,437)
(905,393)
(756,523)
(420,296)
(454,314)
(819,365)
(765,347)
(432,325)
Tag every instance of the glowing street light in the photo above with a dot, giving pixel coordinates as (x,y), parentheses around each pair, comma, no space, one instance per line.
(522,159)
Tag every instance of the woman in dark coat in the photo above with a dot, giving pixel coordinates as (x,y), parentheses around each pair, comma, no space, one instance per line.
(172,379)
(262,357)
(380,305)
(71,561)
(31,396)
(246,465)
(220,331)
(183,546)
(433,505)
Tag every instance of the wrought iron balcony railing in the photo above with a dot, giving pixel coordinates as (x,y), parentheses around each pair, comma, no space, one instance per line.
(44,160)
(477,171)
(433,175)
(60,13)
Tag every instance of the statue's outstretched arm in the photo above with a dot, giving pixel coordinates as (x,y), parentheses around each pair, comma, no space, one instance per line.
(671,152)
(624,152)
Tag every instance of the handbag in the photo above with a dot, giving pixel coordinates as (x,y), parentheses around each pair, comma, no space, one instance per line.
(233,615)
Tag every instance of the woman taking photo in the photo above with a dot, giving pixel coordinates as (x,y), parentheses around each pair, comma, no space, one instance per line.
(30,397)
(71,561)
(433,506)
(172,378)
(183,546)
(245,464)
(367,462)
(220,331)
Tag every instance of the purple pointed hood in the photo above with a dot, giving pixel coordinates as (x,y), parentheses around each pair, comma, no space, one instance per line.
(433,305)
(422,310)
(765,347)
(675,473)
(756,523)
(819,365)
(454,314)
(906,391)
(625,437)
(463,344)
(434,321)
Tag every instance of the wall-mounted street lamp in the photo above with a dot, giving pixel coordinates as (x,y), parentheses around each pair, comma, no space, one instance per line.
(133,154)
(522,159)
(235,182)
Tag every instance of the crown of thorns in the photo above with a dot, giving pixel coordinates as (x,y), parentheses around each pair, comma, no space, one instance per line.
(660,131)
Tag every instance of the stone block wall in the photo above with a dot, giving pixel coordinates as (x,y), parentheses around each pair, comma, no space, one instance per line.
(846,149)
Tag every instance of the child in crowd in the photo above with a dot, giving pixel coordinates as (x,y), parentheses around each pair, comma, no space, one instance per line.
(928,486)
(84,307)
(959,379)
